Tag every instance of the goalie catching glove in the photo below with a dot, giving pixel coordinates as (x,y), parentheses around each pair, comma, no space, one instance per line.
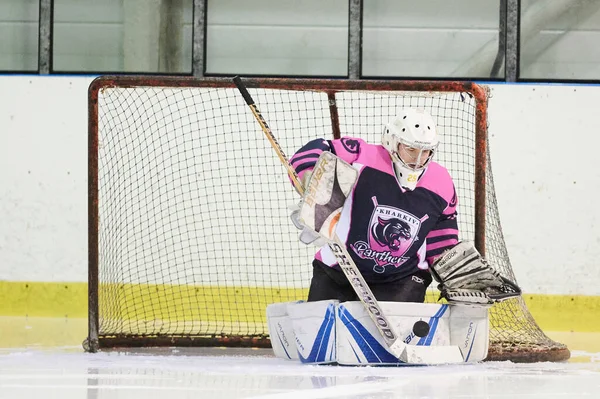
(465,277)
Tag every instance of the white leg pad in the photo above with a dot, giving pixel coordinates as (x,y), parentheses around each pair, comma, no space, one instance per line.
(359,341)
(470,331)
(315,330)
(328,332)
(435,333)
(281,331)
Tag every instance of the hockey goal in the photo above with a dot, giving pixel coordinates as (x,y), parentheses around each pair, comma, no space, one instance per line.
(189,232)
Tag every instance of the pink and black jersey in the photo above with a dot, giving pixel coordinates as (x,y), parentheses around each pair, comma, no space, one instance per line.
(390,232)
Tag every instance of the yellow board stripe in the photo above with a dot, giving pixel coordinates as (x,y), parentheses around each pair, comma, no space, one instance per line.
(565,312)
(36,299)
(43,299)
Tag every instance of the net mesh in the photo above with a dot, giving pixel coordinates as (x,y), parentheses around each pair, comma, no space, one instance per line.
(194,237)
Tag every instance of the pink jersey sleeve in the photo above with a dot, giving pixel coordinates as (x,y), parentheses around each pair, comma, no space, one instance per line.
(445,233)
(347,148)
(305,159)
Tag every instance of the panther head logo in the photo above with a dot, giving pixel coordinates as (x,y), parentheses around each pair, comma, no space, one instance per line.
(391,232)
(351,145)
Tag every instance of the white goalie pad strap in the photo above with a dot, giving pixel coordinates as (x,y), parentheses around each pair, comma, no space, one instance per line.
(432,334)
(281,332)
(315,330)
(331,182)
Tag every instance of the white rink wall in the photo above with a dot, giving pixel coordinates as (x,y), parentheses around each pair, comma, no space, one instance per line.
(543,139)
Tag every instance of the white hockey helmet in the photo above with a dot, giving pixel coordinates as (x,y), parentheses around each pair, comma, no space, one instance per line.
(412,128)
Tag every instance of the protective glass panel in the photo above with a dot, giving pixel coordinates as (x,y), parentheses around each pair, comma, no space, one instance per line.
(559,39)
(277,37)
(123,35)
(19,35)
(431,38)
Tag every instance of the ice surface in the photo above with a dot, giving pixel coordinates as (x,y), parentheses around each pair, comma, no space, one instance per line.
(68,373)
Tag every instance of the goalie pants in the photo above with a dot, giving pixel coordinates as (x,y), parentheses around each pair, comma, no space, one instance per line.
(329,283)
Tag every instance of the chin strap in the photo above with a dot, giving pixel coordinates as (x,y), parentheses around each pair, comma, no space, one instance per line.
(407,177)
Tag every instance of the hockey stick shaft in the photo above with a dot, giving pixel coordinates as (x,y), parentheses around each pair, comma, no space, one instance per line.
(269,133)
(396,345)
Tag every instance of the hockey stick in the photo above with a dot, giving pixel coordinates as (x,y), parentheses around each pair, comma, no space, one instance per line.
(396,346)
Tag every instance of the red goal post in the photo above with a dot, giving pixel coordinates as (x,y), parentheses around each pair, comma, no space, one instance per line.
(174,161)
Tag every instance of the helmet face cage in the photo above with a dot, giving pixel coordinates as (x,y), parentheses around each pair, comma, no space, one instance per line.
(419,146)
(392,142)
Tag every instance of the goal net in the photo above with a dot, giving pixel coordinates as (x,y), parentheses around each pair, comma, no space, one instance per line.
(189,230)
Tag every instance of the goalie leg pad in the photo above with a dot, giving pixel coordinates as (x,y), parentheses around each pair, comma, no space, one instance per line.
(438,333)
(470,331)
(281,332)
(314,330)
(422,325)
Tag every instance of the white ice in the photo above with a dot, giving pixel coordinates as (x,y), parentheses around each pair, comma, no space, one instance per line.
(68,373)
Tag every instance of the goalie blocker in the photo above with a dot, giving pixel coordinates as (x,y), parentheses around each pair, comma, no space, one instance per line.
(331,332)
